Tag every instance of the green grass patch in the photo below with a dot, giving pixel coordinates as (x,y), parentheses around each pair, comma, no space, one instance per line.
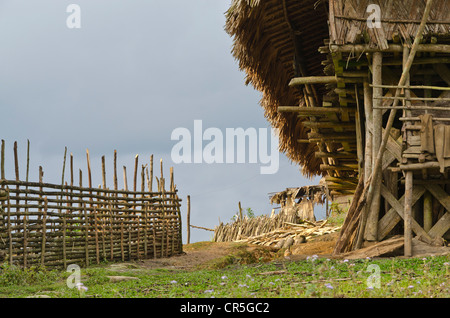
(314,277)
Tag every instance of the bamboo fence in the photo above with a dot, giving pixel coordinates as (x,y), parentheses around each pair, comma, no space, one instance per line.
(43,224)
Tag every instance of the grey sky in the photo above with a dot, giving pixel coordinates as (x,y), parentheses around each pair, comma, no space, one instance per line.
(134,72)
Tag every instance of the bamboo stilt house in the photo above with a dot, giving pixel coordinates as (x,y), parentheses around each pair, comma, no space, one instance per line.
(359,91)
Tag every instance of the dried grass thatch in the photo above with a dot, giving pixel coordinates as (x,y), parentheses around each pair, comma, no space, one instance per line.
(265,51)
(399,19)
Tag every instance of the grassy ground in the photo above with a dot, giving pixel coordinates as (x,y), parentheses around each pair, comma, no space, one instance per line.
(228,277)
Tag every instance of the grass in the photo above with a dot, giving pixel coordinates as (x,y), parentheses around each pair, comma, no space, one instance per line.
(314,277)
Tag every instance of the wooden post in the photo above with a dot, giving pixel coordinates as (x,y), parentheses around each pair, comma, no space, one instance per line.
(136,159)
(427,211)
(44,232)
(408,213)
(64,214)
(16,170)
(86,232)
(122,249)
(25,218)
(374,209)
(115,171)
(150,187)
(368,110)
(125,182)
(240,211)
(3,160)
(188,219)
(89,168)
(103,172)
(97,249)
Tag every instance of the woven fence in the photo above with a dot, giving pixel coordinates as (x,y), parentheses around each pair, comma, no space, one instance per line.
(43,224)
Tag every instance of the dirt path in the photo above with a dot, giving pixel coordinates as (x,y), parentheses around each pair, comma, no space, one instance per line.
(216,255)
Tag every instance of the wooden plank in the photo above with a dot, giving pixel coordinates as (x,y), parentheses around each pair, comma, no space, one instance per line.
(407,214)
(372,219)
(441,227)
(440,194)
(395,214)
(313,110)
(312,80)
(375,250)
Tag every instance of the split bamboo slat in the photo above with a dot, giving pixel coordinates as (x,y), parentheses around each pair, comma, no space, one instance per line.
(43,224)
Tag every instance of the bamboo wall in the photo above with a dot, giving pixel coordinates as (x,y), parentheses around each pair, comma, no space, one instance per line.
(57,225)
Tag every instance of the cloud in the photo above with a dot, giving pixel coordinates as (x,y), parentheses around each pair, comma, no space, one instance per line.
(134,72)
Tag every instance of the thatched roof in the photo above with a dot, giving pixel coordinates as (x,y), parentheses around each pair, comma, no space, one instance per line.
(265,51)
(270,35)
(398,19)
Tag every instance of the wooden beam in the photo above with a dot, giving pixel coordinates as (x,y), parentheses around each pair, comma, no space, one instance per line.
(336,155)
(407,214)
(396,213)
(360,48)
(419,166)
(439,193)
(374,208)
(312,80)
(313,110)
(441,227)
(349,167)
(319,125)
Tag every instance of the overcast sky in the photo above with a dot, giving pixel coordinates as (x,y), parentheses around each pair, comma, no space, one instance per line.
(135,71)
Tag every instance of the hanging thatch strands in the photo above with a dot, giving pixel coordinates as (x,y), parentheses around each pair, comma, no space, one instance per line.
(57,224)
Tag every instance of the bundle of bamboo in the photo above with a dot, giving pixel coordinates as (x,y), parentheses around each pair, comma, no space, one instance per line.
(291,234)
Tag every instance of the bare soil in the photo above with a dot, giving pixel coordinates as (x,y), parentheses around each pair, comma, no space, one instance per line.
(217,255)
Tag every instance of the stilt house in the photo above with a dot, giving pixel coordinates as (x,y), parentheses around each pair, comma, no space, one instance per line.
(359,91)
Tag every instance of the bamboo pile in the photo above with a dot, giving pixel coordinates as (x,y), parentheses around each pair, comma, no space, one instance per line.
(269,231)
(247,227)
(290,233)
(43,224)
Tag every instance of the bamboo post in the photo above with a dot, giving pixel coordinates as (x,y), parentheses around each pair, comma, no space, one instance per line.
(408,213)
(103,238)
(44,232)
(188,219)
(122,249)
(150,187)
(374,209)
(64,214)
(86,233)
(129,243)
(103,172)
(172,185)
(25,218)
(3,160)
(10,251)
(89,168)
(136,159)
(97,249)
(125,181)
(163,214)
(146,230)
(427,211)
(16,170)
(115,171)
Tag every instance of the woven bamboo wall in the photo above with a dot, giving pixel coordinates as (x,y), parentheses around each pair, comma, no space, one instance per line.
(58,225)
